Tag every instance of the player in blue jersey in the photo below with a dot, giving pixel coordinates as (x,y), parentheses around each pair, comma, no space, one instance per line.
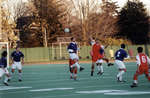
(119,58)
(73,49)
(17,58)
(3,67)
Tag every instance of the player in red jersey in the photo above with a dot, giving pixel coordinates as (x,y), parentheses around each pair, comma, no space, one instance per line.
(97,54)
(143,63)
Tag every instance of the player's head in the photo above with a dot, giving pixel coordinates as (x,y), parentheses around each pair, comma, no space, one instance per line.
(140,49)
(4,54)
(97,40)
(17,48)
(123,46)
(72,39)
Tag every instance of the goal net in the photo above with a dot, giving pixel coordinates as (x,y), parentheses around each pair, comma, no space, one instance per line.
(4,47)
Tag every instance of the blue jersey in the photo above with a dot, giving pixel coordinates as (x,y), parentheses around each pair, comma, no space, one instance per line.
(121,54)
(17,56)
(73,46)
(3,62)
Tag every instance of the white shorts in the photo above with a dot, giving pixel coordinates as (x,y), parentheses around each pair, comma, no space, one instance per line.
(3,71)
(99,61)
(17,65)
(120,64)
(73,56)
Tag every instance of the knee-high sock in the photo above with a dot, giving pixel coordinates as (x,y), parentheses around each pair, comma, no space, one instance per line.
(119,75)
(98,68)
(101,67)
(20,75)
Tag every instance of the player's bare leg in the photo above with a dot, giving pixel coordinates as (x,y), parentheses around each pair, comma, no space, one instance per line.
(92,68)
(75,73)
(71,72)
(20,75)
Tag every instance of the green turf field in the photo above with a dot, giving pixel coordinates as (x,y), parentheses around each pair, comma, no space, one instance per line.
(52,81)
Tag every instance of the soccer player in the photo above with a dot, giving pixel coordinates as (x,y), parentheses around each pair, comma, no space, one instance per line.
(17,58)
(119,58)
(97,54)
(73,49)
(3,67)
(143,63)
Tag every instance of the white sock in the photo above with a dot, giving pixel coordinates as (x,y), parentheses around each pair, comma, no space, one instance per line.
(98,67)
(101,68)
(135,81)
(20,75)
(120,75)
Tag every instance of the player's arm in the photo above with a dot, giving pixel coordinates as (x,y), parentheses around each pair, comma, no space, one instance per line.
(22,58)
(138,62)
(148,61)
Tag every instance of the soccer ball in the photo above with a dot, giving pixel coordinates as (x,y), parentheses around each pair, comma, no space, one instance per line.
(67,30)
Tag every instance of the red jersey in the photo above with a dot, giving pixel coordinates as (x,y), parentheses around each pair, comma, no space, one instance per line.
(142,60)
(96,52)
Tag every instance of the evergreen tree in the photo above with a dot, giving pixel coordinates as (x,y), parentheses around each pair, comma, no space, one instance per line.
(133,22)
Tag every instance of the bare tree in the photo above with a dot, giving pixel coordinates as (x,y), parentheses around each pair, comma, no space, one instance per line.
(82,9)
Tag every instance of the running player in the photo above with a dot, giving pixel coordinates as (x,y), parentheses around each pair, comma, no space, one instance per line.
(97,54)
(17,58)
(143,63)
(73,49)
(3,67)
(119,58)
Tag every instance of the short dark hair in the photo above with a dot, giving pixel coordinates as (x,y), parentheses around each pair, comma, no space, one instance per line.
(71,38)
(97,39)
(4,54)
(123,46)
(140,49)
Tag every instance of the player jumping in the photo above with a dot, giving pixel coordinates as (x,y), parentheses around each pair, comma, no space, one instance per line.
(143,63)
(97,54)
(73,49)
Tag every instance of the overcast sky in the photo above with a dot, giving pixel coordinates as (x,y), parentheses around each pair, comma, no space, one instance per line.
(120,3)
(146,2)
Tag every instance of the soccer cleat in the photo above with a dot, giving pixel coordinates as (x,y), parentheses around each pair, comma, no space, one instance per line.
(81,68)
(8,80)
(118,80)
(133,85)
(20,80)
(6,83)
(100,73)
(110,64)
(71,77)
